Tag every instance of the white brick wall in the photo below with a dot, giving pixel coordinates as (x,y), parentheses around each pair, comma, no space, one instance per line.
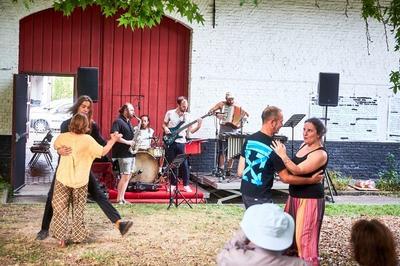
(270,54)
(10,14)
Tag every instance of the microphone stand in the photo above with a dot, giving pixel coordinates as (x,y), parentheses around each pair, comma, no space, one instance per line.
(216,157)
(139,96)
(331,186)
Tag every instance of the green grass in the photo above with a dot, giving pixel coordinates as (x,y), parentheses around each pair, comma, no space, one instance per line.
(223,211)
(158,236)
(355,210)
(98,257)
(3,183)
(208,209)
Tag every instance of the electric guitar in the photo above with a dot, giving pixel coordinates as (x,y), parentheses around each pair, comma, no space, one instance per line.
(170,138)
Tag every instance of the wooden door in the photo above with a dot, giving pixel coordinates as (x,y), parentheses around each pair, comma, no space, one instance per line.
(20,130)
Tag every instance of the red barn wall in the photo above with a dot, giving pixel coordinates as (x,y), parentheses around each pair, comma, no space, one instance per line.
(152,63)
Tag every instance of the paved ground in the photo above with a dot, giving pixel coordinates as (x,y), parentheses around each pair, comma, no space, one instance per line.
(366,199)
(37,193)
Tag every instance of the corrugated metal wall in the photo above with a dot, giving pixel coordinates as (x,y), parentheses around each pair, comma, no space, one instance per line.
(151,64)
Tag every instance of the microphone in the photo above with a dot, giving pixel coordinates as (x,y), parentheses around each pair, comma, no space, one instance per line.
(219,113)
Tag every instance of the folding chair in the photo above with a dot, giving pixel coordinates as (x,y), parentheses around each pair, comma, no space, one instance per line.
(42,147)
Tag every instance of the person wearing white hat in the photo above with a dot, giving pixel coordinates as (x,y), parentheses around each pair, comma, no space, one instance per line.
(266,232)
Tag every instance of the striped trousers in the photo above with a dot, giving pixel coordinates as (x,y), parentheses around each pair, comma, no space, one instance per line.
(64,197)
(307,215)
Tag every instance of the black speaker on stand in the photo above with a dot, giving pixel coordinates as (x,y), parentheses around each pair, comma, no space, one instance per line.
(328,89)
(328,95)
(88,82)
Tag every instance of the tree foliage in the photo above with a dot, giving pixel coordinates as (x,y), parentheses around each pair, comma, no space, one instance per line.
(134,13)
(389,15)
(62,87)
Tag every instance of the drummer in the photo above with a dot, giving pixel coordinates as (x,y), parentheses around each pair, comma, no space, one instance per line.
(146,133)
(147,140)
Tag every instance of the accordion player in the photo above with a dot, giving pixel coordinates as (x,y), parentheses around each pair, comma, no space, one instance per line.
(231,118)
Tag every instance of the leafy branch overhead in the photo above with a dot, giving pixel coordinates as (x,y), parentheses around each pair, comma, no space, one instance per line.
(389,16)
(135,13)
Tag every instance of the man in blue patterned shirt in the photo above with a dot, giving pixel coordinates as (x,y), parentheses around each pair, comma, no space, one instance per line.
(258,162)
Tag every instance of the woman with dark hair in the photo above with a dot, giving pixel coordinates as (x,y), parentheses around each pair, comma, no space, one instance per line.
(84,105)
(306,203)
(373,244)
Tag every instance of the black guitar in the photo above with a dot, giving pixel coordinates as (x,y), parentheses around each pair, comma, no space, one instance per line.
(170,138)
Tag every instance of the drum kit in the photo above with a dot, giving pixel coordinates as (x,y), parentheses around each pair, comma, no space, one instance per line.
(149,162)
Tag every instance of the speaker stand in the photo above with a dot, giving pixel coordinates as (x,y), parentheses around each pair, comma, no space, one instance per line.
(327,178)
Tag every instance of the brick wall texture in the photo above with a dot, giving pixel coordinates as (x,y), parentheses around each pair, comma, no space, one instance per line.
(359,160)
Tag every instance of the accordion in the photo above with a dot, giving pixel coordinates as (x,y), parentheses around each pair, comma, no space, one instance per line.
(233,116)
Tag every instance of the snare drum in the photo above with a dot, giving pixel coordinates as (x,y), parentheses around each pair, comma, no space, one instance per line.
(157,152)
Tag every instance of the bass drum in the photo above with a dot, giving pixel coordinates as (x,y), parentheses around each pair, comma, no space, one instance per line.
(147,165)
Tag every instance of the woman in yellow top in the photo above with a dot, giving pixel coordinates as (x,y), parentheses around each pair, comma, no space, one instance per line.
(72,178)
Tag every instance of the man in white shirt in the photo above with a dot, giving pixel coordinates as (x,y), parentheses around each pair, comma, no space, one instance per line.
(174,121)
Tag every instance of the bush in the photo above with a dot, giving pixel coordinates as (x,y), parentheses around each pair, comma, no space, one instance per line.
(389,180)
(339,181)
(3,185)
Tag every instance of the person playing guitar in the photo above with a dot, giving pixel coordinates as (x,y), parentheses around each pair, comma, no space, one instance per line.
(175,138)
(231,118)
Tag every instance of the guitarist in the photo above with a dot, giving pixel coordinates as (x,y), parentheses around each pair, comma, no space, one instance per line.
(225,112)
(173,118)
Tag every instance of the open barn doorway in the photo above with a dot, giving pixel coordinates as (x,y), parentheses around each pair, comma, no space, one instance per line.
(49,101)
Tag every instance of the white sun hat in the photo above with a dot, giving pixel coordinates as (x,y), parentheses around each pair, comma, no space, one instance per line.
(268,226)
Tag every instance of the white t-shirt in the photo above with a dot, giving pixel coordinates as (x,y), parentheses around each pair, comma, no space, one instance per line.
(145,138)
(173,119)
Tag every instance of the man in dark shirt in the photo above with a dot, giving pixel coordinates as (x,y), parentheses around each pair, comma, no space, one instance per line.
(258,162)
(120,150)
